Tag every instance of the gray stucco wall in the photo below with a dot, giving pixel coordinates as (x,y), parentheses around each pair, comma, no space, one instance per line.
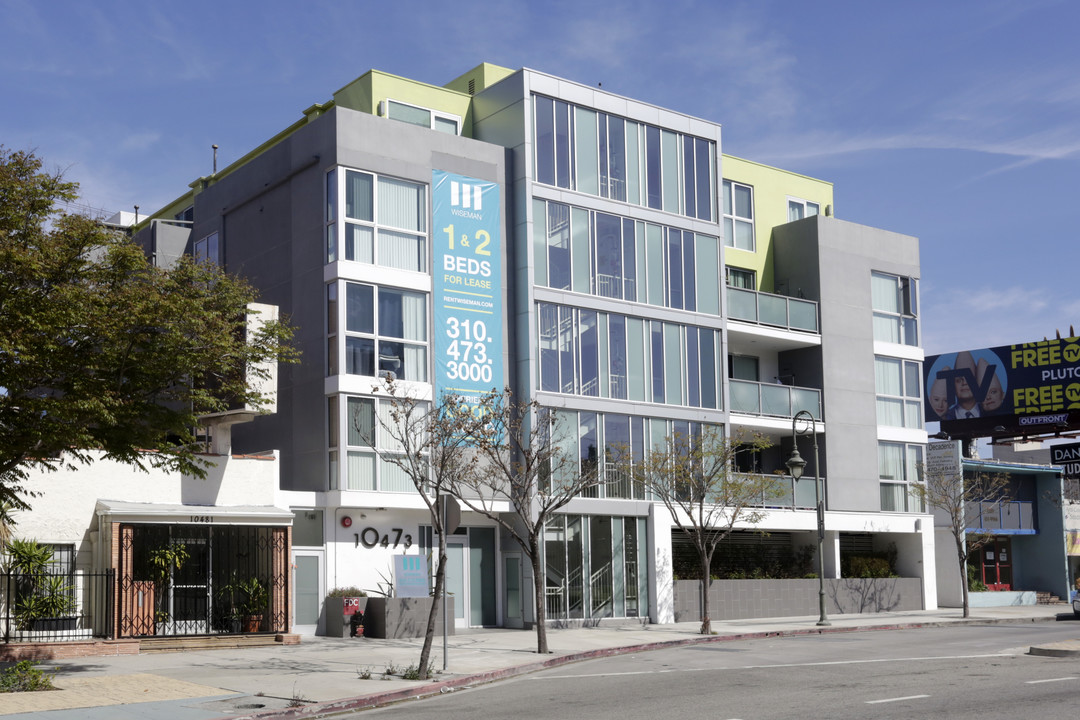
(271,216)
(740,599)
(831,261)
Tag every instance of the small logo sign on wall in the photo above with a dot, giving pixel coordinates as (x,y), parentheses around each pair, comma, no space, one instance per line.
(410,576)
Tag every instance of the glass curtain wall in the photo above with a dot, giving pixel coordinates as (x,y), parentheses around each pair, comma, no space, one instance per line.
(611,256)
(596,354)
(581,149)
(594,567)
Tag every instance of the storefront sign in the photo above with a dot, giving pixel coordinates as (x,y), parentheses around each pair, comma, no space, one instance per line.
(1068,456)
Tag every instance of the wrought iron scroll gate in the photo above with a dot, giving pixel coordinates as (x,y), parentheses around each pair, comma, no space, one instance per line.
(202,579)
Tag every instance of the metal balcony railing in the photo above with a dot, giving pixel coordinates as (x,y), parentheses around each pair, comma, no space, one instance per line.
(755,398)
(773,310)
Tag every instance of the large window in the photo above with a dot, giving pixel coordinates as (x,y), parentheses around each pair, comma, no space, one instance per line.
(597,354)
(363,432)
(738,216)
(385,332)
(596,566)
(899,400)
(895,302)
(384,223)
(898,471)
(593,152)
(611,256)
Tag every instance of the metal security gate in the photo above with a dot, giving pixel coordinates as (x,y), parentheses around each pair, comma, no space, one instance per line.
(186,579)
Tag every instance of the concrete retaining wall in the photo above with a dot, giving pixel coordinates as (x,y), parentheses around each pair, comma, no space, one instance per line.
(1002,598)
(740,599)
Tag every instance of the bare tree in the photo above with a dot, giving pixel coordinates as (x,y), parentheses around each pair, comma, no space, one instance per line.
(527,460)
(957,498)
(693,475)
(428,443)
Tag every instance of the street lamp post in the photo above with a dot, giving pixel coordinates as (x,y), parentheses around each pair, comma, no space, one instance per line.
(796,465)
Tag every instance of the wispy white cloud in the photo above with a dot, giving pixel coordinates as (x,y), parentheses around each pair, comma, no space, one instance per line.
(959,319)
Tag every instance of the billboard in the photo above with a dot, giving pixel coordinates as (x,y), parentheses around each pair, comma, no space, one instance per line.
(468,313)
(1027,389)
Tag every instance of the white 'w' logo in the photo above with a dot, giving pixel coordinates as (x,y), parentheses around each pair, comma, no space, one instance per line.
(466,196)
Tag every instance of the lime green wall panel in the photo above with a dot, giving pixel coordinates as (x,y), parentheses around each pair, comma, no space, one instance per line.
(772,187)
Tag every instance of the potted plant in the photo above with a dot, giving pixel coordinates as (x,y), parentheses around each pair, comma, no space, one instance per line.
(256,597)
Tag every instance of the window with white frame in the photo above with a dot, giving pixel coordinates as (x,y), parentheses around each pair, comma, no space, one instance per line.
(364,431)
(384,223)
(424,117)
(899,400)
(797,209)
(738,216)
(385,332)
(898,471)
(895,304)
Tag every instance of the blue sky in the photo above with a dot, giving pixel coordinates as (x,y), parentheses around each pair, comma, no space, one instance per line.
(952,121)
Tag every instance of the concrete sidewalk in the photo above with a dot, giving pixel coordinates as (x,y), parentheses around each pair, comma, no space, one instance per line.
(324,675)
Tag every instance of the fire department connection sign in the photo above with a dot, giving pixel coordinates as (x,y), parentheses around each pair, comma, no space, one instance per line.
(467,286)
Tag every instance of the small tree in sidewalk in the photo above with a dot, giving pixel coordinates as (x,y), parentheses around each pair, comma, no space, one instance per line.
(957,499)
(428,443)
(693,475)
(528,461)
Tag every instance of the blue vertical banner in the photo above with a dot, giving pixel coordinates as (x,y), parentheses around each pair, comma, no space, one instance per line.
(468,315)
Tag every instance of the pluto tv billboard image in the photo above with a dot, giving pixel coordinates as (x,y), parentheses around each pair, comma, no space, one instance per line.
(1026,389)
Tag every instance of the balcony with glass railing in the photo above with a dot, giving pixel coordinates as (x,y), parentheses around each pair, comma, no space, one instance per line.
(778,311)
(793,494)
(770,400)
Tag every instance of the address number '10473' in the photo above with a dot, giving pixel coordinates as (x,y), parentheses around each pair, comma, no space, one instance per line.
(369,537)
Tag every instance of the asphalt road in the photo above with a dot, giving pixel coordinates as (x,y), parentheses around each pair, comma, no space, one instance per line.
(973,671)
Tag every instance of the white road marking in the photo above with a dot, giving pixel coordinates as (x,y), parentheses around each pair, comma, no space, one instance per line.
(766,667)
(1036,682)
(899,699)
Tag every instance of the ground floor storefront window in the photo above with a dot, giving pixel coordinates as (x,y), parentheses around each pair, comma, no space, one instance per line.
(595,567)
(186,579)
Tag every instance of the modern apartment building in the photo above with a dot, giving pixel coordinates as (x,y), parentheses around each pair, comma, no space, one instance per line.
(606,260)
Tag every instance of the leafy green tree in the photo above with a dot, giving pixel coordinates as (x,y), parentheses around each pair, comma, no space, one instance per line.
(100,350)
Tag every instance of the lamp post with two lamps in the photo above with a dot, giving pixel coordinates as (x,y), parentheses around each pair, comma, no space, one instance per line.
(795,465)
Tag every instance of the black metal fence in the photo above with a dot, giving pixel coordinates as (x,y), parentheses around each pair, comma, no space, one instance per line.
(56,606)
